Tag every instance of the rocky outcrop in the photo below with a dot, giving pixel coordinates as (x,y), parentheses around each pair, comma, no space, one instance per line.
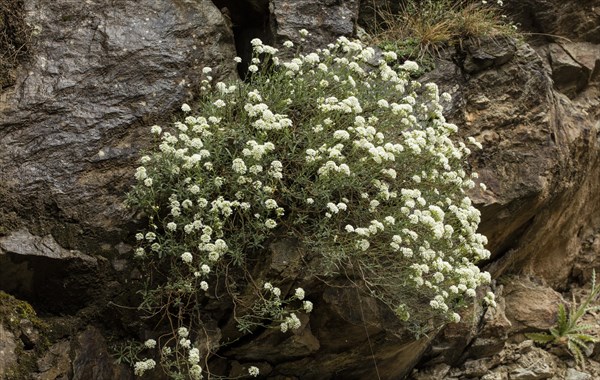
(73,123)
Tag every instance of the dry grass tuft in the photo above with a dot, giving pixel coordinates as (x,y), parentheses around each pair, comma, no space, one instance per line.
(424,28)
(15,39)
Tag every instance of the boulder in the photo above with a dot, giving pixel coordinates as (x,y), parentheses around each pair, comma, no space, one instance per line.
(530,305)
(72,125)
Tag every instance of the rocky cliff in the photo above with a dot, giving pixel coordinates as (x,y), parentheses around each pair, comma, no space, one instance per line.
(73,116)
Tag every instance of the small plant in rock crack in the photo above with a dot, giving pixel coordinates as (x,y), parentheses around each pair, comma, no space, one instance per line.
(335,149)
(569,331)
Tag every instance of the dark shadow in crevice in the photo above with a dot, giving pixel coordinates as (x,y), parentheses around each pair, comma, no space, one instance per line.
(249,19)
(51,286)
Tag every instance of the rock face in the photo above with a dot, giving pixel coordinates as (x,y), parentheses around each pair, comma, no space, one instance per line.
(75,117)
(71,126)
(537,118)
(73,122)
(325,20)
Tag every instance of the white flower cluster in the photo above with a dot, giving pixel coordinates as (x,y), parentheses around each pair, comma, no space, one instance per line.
(291,322)
(142,366)
(337,147)
(253,371)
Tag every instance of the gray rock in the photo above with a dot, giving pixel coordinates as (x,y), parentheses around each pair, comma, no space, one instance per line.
(325,20)
(92,359)
(525,374)
(577,20)
(56,363)
(484,54)
(569,76)
(8,356)
(39,270)
(573,374)
(74,122)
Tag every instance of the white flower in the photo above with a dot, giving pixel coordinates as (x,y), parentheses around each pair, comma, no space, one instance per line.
(183,332)
(310,201)
(140,367)
(410,66)
(185,107)
(206,70)
(364,244)
(139,252)
(204,285)
(205,269)
(239,166)
(382,103)
(150,343)
(276,291)
(270,204)
(293,322)
(303,32)
(270,223)
(341,135)
(186,257)
(237,60)
(253,371)
(185,343)
(194,356)
(253,68)
(156,130)
(307,306)
(171,226)
(288,44)
(219,103)
(196,372)
(299,293)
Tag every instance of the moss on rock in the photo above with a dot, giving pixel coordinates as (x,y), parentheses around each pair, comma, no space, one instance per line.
(20,319)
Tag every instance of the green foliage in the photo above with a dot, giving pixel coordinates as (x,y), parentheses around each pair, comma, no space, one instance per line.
(569,331)
(336,149)
(421,29)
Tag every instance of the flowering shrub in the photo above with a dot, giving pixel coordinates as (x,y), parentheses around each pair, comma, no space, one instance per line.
(335,148)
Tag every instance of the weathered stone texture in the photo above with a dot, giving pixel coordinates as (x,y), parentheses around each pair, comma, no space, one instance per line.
(71,127)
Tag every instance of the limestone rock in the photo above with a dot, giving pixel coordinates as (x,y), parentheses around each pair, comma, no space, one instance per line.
(55,364)
(540,161)
(85,356)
